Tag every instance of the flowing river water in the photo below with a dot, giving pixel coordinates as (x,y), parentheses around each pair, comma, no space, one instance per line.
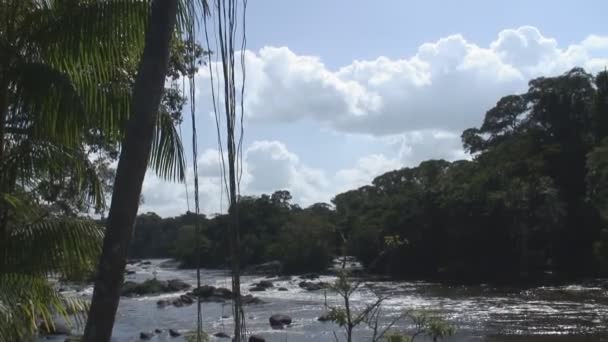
(576,312)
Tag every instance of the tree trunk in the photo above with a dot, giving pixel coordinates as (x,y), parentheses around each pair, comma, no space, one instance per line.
(3,187)
(131,170)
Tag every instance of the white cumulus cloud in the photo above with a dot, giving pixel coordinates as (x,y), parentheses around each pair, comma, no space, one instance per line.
(415,106)
(446,85)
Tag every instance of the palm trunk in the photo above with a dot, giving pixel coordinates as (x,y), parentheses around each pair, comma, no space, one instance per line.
(4,188)
(131,170)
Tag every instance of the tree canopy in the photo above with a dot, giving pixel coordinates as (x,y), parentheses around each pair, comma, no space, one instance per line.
(530,204)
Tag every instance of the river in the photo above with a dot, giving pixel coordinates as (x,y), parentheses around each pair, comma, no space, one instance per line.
(576,312)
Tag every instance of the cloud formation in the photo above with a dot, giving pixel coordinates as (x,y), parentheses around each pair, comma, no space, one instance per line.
(446,85)
(268,166)
(414,107)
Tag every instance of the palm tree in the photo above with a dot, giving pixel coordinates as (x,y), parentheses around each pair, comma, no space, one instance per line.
(136,148)
(65,93)
(131,169)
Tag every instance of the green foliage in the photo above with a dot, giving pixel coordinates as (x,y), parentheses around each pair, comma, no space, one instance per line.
(396,336)
(597,178)
(338,316)
(303,240)
(192,337)
(36,246)
(66,71)
(529,202)
(304,243)
(429,324)
(597,194)
(188,245)
(346,317)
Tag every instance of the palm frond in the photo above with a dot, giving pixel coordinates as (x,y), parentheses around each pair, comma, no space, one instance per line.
(189,12)
(167,155)
(46,105)
(36,164)
(64,247)
(96,44)
(28,300)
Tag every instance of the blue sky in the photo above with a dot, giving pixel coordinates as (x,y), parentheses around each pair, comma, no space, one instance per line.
(340,91)
(342,30)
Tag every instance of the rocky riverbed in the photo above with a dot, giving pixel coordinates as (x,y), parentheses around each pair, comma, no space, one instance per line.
(574,312)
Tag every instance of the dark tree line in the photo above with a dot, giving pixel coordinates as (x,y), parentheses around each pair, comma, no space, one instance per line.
(271,229)
(531,203)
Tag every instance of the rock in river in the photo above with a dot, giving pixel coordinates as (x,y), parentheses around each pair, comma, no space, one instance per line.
(175,285)
(59,327)
(310,286)
(145,336)
(262,286)
(256,338)
(278,321)
(203,291)
(324,318)
(152,286)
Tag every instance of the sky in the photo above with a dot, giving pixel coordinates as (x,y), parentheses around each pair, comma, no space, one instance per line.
(338,92)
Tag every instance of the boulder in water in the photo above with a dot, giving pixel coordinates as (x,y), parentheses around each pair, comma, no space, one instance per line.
(256,338)
(203,291)
(283,289)
(257,288)
(222,292)
(278,321)
(177,303)
(174,333)
(221,335)
(162,303)
(152,286)
(310,286)
(175,285)
(128,288)
(265,284)
(249,299)
(145,336)
(186,299)
(324,318)
(309,276)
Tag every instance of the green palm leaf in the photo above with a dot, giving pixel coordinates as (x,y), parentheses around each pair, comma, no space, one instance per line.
(46,105)
(31,253)
(27,300)
(167,155)
(53,247)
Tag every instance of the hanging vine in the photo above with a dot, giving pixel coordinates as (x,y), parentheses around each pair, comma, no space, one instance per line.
(226,27)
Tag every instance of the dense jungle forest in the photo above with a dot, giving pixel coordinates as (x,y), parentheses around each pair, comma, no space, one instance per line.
(509,242)
(529,204)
